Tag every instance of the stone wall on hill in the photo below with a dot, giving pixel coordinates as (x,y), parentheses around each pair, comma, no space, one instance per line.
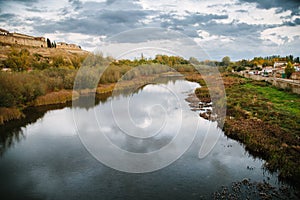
(21,39)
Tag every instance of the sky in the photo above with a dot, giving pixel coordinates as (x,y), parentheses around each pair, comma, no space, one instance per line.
(240,29)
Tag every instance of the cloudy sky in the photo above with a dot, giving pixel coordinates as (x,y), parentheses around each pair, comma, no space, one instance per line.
(237,28)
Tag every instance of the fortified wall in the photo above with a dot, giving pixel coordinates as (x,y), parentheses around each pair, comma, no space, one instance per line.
(21,39)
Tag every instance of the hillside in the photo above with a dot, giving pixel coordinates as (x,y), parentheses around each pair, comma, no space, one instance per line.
(40,58)
(44,52)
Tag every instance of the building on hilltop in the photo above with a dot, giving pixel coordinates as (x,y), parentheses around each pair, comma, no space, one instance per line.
(8,38)
(3,32)
(64,45)
(21,39)
(22,35)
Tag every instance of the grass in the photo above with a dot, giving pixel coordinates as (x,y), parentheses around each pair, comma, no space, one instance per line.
(267,121)
(281,100)
(203,94)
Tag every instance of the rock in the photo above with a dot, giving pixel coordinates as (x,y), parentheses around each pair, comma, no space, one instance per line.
(245,181)
(204,115)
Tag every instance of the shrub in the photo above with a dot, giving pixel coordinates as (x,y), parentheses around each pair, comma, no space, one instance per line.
(18,61)
(18,89)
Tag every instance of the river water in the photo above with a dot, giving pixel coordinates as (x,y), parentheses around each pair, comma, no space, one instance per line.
(56,156)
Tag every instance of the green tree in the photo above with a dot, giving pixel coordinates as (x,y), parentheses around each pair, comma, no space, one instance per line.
(289,70)
(226,61)
(48,43)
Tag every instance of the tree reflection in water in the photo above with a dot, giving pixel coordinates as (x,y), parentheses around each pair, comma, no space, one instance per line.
(13,132)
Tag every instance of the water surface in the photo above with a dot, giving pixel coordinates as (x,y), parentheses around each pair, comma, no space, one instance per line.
(46,159)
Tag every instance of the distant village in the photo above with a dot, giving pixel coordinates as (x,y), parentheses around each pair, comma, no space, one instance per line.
(277,70)
(26,40)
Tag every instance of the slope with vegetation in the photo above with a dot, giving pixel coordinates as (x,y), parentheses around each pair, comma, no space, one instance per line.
(42,76)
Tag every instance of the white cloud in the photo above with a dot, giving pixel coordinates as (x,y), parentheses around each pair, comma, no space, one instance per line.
(148,19)
(281,35)
(205,36)
(183,8)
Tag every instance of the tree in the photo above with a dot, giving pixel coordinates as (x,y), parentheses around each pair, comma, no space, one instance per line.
(289,70)
(226,61)
(229,69)
(194,61)
(289,58)
(48,43)
(53,45)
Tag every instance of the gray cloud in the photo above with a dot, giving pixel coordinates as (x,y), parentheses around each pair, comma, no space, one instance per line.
(104,22)
(34,9)
(25,2)
(148,34)
(76,4)
(233,29)
(6,16)
(287,4)
(186,25)
(292,5)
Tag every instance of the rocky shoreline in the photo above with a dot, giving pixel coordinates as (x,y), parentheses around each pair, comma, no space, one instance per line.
(205,108)
(247,189)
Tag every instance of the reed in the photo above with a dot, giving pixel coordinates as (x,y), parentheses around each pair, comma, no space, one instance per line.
(7,114)
(59,97)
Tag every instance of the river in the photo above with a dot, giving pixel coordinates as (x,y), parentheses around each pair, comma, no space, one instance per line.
(55,156)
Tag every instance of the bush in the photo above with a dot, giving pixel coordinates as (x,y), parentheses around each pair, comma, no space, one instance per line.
(289,70)
(58,61)
(18,61)
(18,89)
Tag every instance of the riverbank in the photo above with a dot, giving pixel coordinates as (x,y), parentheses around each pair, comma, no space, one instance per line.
(8,114)
(267,121)
(64,96)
